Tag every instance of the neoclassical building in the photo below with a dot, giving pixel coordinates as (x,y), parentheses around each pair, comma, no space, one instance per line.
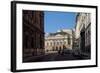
(60,40)
(33,33)
(83,32)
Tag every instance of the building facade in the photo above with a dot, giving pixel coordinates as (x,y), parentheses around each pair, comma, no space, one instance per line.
(60,40)
(83,32)
(33,33)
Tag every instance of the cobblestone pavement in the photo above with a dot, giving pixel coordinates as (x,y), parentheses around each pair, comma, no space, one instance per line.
(54,57)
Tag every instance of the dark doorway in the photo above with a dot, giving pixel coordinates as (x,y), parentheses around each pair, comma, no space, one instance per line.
(82,44)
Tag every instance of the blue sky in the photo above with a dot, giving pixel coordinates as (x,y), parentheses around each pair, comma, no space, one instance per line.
(54,21)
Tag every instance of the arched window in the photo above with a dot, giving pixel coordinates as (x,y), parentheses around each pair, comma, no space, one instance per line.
(68,40)
(51,44)
(57,43)
(61,43)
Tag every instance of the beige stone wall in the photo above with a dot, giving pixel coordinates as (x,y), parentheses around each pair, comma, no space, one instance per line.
(59,41)
(83,22)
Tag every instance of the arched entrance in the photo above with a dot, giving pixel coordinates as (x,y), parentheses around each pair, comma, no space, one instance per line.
(82,39)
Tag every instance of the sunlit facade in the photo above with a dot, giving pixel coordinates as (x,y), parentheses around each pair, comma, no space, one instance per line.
(60,40)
